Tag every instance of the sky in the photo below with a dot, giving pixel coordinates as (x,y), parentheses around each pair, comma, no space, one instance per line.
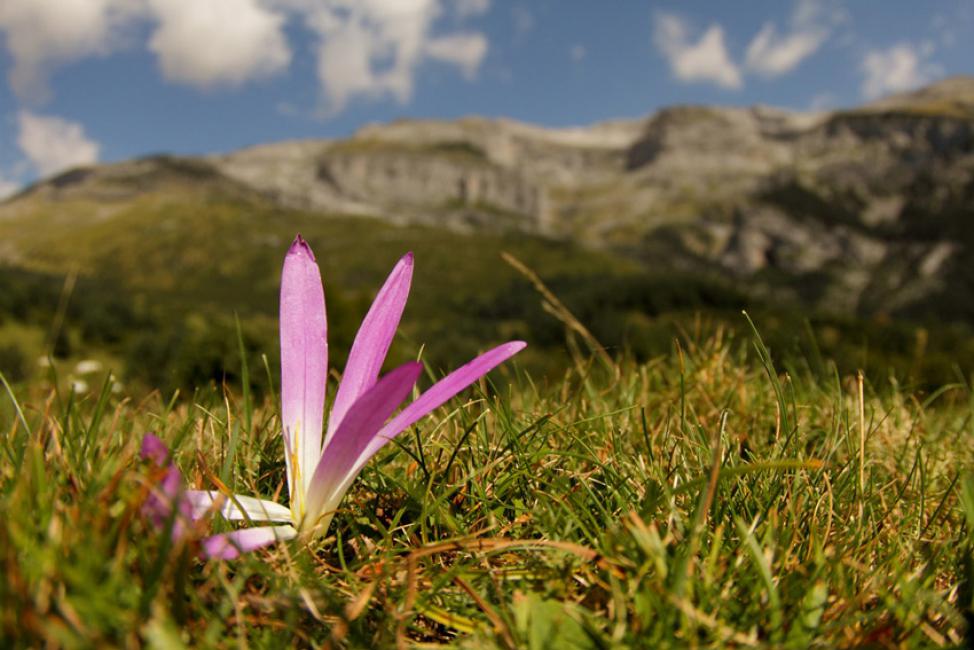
(86,81)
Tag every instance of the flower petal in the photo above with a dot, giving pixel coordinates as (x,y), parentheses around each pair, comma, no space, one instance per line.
(227,546)
(304,363)
(168,492)
(437,395)
(154,449)
(372,342)
(357,429)
(236,508)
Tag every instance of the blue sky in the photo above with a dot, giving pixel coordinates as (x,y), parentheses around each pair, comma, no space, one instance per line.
(104,80)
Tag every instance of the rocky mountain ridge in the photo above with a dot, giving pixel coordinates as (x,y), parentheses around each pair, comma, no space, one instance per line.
(853,211)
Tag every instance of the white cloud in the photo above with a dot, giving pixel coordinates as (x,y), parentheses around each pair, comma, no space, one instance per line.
(8,188)
(899,68)
(364,48)
(218,42)
(827,14)
(578,53)
(704,60)
(466,51)
(197,42)
(772,54)
(949,27)
(941,25)
(53,144)
(466,8)
(372,48)
(43,34)
(523,20)
(822,101)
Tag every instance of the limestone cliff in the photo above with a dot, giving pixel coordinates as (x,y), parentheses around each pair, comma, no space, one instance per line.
(860,210)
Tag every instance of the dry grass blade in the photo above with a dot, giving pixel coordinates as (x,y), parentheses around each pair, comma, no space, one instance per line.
(500,626)
(557,308)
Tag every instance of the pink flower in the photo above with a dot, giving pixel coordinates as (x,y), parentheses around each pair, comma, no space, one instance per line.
(322,462)
(167,492)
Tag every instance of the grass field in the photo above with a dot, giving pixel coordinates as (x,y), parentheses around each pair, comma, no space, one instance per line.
(154,287)
(700,499)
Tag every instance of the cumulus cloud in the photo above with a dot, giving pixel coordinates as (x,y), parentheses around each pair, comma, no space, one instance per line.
(465,8)
(201,43)
(944,27)
(466,51)
(899,68)
(772,54)
(42,34)
(704,60)
(53,144)
(7,188)
(364,48)
(822,101)
(372,48)
(523,20)
(218,42)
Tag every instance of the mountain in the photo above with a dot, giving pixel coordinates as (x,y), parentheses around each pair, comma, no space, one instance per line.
(857,211)
(861,212)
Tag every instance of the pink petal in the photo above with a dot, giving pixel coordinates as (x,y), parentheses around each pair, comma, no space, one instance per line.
(358,427)
(433,398)
(372,342)
(227,546)
(236,508)
(168,493)
(438,394)
(154,449)
(304,361)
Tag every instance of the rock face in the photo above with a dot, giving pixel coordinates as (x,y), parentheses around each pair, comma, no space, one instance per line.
(487,173)
(859,210)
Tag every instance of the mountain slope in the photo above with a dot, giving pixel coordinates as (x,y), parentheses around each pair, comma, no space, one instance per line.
(854,213)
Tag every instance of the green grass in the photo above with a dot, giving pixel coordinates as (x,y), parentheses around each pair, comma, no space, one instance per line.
(197,257)
(701,499)
(150,285)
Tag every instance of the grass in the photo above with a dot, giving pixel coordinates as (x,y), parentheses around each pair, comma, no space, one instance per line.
(154,280)
(701,499)
(170,258)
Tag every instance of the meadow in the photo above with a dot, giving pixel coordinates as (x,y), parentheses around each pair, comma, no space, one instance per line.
(157,288)
(673,476)
(705,497)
